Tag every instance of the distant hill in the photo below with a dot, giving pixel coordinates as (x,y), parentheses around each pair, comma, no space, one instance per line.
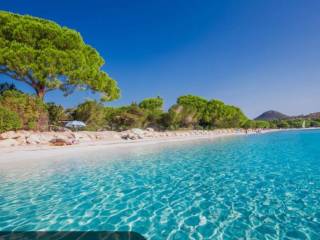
(271,115)
(315,115)
(274,115)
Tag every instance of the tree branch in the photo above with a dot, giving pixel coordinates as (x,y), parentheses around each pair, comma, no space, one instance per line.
(15,76)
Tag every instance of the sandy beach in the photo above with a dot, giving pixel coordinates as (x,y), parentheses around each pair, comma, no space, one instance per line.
(30,152)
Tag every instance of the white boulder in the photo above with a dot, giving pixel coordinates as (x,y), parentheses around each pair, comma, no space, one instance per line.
(8,143)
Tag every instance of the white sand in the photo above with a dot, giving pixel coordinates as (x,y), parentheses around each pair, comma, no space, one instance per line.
(10,154)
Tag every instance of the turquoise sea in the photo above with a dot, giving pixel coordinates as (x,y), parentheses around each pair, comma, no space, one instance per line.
(250,187)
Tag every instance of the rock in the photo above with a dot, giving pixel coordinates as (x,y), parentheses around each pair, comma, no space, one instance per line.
(33,139)
(15,134)
(68,136)
(9,135)
(137,131)
(149,134)
(45,138)
(150,129)
(131,135)
(21,140)
(125,137)
(8,143)
(82,137)
(61,142)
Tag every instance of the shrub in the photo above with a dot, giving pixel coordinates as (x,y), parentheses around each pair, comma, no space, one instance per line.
(283,124)
(315,123)
(31,110)
(262,124)
(126,117)
(56,114)
(152,108)
(92,113)
(152,104)
(9,120)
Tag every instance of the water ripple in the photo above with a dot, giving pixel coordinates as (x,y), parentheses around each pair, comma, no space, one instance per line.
(257,187)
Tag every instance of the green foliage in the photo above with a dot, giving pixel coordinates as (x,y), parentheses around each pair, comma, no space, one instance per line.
(195,102)
(188,111)
(315,123)
(297,123)
(282,124)
(31,110)
(174,119)
(262,124)
(96,116)
(152,104)
(273,125)
(182,116)
(198,113)
(291,123)
(9,120)
(220,115)
(234,117)
(126,117)
(92,113)
(249,124)
(214,113)
(47,56)
(153,110)
(56,114)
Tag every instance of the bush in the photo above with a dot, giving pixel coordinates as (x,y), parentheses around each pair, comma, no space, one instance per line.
(56,114)
(262,124)
(283,124)
(31,110)
(152,104)
(9,120)
(92,113)
(315,123)
(189,111)
(126,117)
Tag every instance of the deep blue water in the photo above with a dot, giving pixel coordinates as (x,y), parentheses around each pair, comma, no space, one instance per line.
(253,187)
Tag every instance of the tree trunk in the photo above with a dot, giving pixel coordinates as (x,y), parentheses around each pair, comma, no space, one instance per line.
(43,119)
(40,92)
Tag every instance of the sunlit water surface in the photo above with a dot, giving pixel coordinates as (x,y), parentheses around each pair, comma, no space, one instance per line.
(252,187)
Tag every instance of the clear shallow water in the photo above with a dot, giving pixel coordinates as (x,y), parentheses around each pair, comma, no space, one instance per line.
(255,187)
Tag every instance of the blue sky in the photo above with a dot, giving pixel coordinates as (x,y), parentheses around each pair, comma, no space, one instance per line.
(255,54)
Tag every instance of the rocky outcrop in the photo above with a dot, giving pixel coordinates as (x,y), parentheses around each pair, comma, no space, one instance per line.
(21,138)
(61,142)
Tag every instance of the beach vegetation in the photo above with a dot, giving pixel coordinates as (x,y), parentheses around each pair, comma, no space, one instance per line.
(56,113)
(152,104)
(282,124)
(198,113)
(126,117)
(256,124)
(31,110)
(91,113)
(315,123)
(293,123)
(261,124)
(153,112)
(9,120)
